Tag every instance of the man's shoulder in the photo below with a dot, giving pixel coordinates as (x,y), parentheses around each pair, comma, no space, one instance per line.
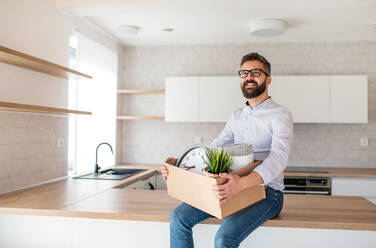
(279,107)
(280,110)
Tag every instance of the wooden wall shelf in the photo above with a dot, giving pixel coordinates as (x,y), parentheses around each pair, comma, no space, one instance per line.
(127,91)
(10,106)
(23,60)
(129,117)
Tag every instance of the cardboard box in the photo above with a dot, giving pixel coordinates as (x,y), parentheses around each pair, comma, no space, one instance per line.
(196,190)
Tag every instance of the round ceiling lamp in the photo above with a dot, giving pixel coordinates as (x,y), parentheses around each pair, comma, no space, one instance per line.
(267,27)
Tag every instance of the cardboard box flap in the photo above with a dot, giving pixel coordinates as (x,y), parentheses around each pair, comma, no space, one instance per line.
(246,169)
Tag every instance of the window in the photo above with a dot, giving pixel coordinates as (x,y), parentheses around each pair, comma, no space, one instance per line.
(97,95)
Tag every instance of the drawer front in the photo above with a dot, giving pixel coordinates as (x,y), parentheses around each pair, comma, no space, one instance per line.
(354,186)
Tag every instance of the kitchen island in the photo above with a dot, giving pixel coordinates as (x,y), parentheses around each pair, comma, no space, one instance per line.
(82,213)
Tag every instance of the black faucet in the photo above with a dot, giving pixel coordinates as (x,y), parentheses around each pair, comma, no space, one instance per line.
(97,168)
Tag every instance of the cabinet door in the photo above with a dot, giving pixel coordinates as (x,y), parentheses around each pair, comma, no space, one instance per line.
(349,99)
(307,97)
(354,186)
(219,96)
(182,99)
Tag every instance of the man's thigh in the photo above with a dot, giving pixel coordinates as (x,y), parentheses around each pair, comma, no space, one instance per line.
(188,214)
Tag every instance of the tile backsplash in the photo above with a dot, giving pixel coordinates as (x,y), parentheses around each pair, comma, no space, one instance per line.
(322,145)
(28,149)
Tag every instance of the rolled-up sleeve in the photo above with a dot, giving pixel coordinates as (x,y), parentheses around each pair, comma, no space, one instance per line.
(277,160)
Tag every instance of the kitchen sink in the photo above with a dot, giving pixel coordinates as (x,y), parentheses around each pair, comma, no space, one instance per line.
(111,174)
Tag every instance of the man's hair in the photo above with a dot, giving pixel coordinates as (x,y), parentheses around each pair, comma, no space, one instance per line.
(256,56)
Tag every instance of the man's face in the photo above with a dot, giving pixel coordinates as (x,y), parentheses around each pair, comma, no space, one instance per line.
(253,86)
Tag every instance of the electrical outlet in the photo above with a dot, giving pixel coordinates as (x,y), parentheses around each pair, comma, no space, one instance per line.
(364,141)
(60,143)
(198,140)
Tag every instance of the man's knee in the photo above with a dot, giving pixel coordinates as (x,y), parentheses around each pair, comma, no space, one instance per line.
(174,217)
(219,242)
(223,241)
(177,217)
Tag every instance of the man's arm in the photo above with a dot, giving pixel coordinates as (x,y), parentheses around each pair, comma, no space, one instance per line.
(270,168)
(277,160)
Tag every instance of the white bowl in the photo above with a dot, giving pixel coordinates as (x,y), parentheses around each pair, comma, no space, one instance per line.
(241,161)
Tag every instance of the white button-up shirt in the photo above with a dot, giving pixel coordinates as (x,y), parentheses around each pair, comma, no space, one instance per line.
(269,129)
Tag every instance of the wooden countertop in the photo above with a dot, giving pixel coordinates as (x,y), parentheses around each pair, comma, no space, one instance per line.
(305,211)
(56,195)
(106,199)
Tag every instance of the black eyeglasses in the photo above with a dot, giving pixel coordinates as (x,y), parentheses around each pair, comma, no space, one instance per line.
(254,73)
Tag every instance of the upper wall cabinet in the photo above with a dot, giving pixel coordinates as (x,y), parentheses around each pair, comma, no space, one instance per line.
(349,99)
(219,96)
(182,99)
(307,97)
(311,99)
(202,99)
(323,99)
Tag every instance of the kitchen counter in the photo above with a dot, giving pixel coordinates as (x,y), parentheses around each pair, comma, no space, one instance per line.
(108,200)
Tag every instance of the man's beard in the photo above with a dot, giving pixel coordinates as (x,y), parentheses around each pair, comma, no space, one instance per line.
(255,91)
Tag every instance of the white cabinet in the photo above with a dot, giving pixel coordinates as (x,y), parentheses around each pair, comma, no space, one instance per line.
(323,99)
(349,103)
(311,99)
(307,97)
(182,99)
(354,186)
(18,231)
(155,182)
(202,99)
(219,96)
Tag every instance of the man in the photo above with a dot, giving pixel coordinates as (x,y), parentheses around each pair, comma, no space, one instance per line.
(268,127)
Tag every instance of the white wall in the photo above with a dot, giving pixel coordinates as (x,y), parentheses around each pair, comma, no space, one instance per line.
(28,143)
(28,150)
(36,28)
(324,145)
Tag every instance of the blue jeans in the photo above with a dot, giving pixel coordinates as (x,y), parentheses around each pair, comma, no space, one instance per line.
(234,228)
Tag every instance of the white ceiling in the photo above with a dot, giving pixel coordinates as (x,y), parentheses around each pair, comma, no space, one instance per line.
(227,21)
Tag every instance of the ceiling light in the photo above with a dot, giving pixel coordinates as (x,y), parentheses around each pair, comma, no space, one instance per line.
(127,31)
(167,30)
(267,27)
(373,24)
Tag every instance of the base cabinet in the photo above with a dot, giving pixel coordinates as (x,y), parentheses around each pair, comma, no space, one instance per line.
(365,187)
(30,231)
(155,182)
(20,231)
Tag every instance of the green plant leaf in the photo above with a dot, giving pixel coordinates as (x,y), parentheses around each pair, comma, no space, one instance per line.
(218,161)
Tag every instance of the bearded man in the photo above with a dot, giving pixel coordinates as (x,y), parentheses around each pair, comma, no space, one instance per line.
(268,127)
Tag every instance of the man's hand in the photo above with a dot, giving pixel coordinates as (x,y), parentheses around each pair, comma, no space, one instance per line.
(225,191)
(164,169)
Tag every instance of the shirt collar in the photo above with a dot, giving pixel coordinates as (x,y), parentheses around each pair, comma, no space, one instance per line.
(260,105)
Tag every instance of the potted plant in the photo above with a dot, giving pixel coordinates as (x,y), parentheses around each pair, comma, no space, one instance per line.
(217,162)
